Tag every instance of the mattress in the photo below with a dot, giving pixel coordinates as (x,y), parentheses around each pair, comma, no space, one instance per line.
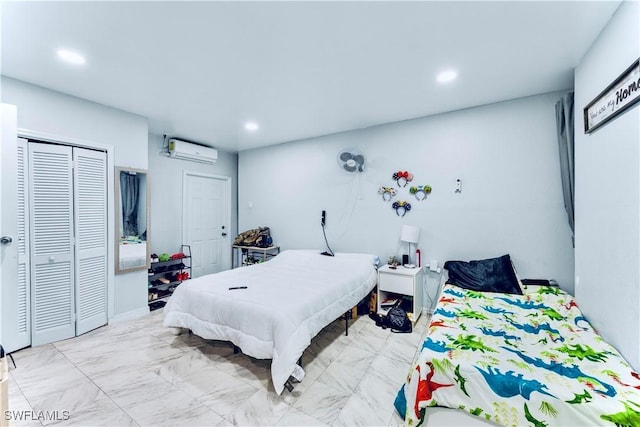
(272,310)
(514,360)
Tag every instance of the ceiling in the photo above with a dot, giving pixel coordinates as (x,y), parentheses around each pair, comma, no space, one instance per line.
(201,70)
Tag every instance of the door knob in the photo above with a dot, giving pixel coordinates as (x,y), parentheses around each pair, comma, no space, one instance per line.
(224,234)
(6,240)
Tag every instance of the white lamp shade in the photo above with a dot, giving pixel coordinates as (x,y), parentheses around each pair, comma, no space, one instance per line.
(410,234)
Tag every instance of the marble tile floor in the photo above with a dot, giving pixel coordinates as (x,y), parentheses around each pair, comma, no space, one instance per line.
(137,373)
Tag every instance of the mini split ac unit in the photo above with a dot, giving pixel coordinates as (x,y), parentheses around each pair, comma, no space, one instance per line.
(179,149)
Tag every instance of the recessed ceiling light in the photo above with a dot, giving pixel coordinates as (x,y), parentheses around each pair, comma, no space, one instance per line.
(251,126)
(447,76)
(70,57)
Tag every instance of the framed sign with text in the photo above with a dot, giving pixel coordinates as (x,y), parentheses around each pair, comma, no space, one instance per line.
(618,97)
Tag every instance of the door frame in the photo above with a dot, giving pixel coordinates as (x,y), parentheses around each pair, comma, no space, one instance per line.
(226,252)
(109,149)
(9,222)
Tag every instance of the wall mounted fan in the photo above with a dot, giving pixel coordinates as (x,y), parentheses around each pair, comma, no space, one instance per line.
(351,160)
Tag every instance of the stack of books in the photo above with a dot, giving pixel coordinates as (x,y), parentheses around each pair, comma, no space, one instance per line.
(386,305)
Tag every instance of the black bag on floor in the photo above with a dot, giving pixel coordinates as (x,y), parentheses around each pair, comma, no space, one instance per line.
(397,320)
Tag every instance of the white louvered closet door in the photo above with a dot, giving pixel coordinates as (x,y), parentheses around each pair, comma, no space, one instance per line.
(23,307)
(51,219)
(90,183)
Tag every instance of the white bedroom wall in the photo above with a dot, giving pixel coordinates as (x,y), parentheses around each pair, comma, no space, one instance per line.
(45,111)
(607,199)
(166,176)
(505,154)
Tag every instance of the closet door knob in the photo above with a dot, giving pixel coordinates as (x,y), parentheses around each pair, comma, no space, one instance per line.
(6,240)
(224,234)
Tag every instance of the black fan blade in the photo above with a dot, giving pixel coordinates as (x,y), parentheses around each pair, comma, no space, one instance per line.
(345,156)
(349,168)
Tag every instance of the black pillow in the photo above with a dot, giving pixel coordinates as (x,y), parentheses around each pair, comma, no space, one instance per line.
(487,275)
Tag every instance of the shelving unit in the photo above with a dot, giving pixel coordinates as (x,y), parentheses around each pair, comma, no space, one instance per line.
(247,255)
(166,276)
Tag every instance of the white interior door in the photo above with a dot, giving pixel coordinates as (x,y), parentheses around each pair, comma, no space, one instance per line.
(9,325)
(206,217)
(90,191)
(52,258)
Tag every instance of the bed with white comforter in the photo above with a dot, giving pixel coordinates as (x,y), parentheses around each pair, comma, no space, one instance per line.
(287,301)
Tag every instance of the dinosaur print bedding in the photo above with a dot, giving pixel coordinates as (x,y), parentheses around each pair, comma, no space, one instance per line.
(519,360)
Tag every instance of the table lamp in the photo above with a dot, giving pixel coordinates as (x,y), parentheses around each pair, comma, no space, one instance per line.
(410,234)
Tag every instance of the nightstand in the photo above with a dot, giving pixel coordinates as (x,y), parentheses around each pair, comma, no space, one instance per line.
(401,282)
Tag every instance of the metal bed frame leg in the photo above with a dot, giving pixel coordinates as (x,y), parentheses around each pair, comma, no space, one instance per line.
(289,385)
(347,316)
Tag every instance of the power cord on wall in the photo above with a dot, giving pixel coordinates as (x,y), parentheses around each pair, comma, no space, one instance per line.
(323,222)
(165,146)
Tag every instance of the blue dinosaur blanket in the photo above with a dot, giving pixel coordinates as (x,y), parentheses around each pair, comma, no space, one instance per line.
(519,360)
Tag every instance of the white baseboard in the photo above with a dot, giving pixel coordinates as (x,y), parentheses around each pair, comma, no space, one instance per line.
(130,315)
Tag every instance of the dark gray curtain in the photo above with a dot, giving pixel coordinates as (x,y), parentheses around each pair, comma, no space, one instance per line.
(129,189)
(564,126)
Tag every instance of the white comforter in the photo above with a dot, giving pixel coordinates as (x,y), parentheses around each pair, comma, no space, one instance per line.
(288,300)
